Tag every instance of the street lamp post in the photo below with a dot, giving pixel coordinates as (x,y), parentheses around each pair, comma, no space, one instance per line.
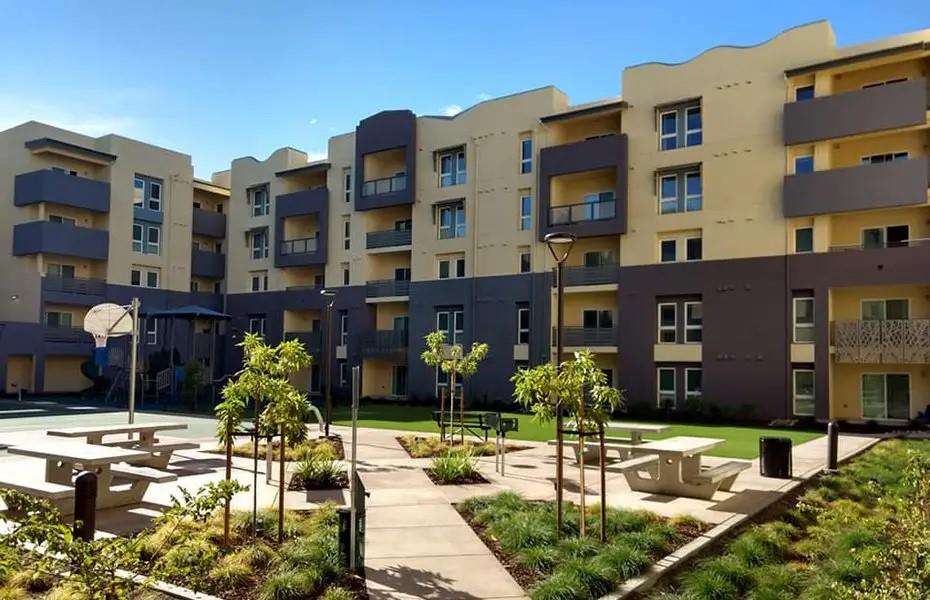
(560,246)
(330,295)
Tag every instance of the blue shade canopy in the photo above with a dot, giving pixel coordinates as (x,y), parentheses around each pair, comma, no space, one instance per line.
(187,312)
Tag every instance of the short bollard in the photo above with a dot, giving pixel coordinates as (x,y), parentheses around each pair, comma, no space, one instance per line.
(85,505)
(833,438)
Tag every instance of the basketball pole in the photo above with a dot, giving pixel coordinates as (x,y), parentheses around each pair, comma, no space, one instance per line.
(132,359)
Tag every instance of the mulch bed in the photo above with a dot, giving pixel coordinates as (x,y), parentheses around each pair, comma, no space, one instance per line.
(508,448)
(298,484)
(476,479)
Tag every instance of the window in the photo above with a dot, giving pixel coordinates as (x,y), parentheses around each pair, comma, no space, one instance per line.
(138,192)
(151,332)
(680,192)
(195,286)
(668,323)
(58,319)
(804,92)
(803,164)
(343,327)
(526,154)
(597,319)
(401,323)
(694,248)
(135,277)
(452,221)
(260,244)
(452,268)
(57,270)
(804,239)
(344,373)
(803,392)
(804,320)
(666,388)
(523,325)
(66,171)
(875,159)
(897,309)
(887,82)
(315,371)
(153,239)
(402,274)
(217,287)
(526,212)
(452,322)
(668,250)
(258,198)
(347,185)
(137,229)
(257,324)
(694,383)
(599,258)
(403,225)
(346,234)
(62,220)
(154,196)
(892,236)
(452,168)
(399,380)
(886,396)
(525,260)
(694,322)
(680,127)
(259,281)
(151,279)
(146,193)
(345,273)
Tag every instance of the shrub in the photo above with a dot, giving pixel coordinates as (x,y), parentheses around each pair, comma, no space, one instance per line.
(232,571)
(267,523)
(337,593)
(626,561)
(521,530)
(562,585)
(188,564)
(314,472)
(288,584)
(541,559)
(454,467)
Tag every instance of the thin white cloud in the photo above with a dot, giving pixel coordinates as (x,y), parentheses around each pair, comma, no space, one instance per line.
(483,96)
(15,110)
(450,110)
(313,121)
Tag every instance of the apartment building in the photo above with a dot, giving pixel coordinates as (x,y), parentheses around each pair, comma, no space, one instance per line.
(88,220)
(750,226)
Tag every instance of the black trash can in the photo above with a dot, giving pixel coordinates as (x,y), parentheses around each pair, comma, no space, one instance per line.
(775,457)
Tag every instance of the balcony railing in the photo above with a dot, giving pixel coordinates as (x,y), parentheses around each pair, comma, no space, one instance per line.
(206,263)
(386,288)
(60,238)
(74,285)
(298,246)
(582,213)
(587,336)
(308,287)
(899,244)
(387,239)
(895,341)
(312,340)
(385,185)
(67,334)
(384,342)
(595,275)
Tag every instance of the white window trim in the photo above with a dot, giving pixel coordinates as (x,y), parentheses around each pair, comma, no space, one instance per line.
(884,302)
(343,329)
(523,253)
(884,229)
(526,220)
(347,184)
(794,165)
(794,319)
(138,245)
(867,158)
(660,391)
(693,327)
(884,374)
(665,200)
(673,135)
(259,209)
(150,199)
(794,392)
(261,325)
(689,394)
(526,162)
(521,330)
(686,240)
(157,280)
(151,335)
(262,249)
(456,333)
(140,202)
(139,271)
(690,131)
(346,234)
(672,240)
(693,196)
(673,327)
(882,82)
(148,241)
(458,168)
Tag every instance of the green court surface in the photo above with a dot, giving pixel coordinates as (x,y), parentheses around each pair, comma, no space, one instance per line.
(742,442)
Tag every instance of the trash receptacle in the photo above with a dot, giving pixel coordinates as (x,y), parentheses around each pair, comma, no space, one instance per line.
(775,457)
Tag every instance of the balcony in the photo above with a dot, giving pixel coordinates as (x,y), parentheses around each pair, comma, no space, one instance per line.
(862,111)
(67,341)
(862,187)
(73,290)
(209,223)
(299,252)
(312,340)
(387,288)
(904,341)
(388,239)
(385,185)
(587,337)
(389,132)
(585,212)
(607,153)
(204,263)
(60,188)
(912,243)
(304,251)
(596,275)
(384,343)
(60,238)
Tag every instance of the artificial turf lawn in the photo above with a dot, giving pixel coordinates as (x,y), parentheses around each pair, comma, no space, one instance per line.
(742,442)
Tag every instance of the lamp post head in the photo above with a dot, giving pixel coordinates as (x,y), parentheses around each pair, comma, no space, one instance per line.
(560,245)
(330,295)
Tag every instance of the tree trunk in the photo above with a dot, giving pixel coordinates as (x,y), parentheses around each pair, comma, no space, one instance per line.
(255,471)
(281,488)
(226,508)
(603,485)
(442,416)
(581,446)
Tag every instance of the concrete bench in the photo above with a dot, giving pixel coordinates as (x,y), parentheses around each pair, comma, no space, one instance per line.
(40,489)
(135,473)
(592,449)
(161,451)
(724,474)
(639,463)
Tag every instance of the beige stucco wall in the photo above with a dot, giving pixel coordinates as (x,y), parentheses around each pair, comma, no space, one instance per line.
(63,374)
(20,373)
(846,387)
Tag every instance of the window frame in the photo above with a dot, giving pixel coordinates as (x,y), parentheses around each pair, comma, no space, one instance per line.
(257,324)
(456,226)
(796,326)
(688,240)
(259,252)
(688,327)
(526,261)
(804,87)
(523,333)
(803,157)
(673,135)
(138,192)
(667,393)
(691,394)
(149,244)
(795,396)
(674,244)
(133,273)
(148,279)
(151,334)
(151,202)
(886,157)
(796,231)
(664,200)
(458,168)
(343,328)
(347,184)
(259,209)
(884,375)
(138,242)
(884,303)
(347,233)
(526,212)
(673,327)
(526,158)
(699,131)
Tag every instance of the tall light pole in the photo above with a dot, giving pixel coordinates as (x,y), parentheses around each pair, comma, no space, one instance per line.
(560,246)
(330,295)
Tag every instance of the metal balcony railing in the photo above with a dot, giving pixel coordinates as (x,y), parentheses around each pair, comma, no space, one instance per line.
(384,342)
(386,239)
(893,341)
(74,285)
(587,336)
(67,334)
(594,275)
(899,244)
(387,287)
(298,246)
(582,213)
(385,185)
(312,340)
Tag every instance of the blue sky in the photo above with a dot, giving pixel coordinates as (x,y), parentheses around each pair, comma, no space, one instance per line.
(219,80)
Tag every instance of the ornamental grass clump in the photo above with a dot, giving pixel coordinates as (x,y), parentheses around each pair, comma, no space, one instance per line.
(455,468)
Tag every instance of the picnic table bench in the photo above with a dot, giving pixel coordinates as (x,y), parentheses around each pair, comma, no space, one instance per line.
(621,445)
(475,422)
(159,453)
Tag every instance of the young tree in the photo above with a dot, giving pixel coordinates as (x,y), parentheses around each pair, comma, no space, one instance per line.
(581,389)
(450,359)
(279,407)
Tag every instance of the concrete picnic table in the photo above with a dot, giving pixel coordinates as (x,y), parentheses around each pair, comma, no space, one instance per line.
(62,457)
(159,453)
(592,452)
(636,430)
(672,467)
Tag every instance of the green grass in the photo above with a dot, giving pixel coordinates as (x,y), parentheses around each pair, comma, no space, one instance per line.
(742,442)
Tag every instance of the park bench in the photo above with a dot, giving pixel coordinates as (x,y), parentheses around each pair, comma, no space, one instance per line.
(161,452)
(476,423)
(637,463)
(592,451)
(58,494)
(147,474)
(722,475)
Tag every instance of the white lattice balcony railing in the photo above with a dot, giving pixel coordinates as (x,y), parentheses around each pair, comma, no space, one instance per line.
(894,341)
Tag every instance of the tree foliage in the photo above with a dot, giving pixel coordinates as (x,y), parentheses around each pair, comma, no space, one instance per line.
(450,358)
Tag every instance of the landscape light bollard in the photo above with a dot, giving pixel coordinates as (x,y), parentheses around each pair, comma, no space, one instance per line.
(85,505)
(833,438)
(353,479)
(330,295)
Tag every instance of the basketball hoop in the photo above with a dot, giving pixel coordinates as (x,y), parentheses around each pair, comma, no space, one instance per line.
(107,320)
(100,340)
